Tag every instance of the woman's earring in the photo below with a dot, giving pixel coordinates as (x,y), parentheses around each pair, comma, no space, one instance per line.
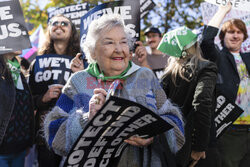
(184,54)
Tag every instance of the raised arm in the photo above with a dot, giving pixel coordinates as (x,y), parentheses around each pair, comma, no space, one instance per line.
(207,45)
(220,15)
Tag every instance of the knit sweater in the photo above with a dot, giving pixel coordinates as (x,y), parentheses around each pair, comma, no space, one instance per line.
(69,117)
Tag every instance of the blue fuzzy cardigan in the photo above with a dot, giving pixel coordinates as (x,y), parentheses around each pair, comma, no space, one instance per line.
(64,124)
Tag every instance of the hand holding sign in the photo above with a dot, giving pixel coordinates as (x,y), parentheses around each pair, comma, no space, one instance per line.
(52,93)
(76,63)
(141,52)
(97,101)
(226,8)
(138,141)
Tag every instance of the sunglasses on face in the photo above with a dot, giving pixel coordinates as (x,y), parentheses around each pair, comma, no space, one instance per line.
(61,23)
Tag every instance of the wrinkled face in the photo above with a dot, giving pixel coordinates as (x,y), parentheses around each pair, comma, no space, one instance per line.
(60,29)
(233,39)
(112,52)
(153,40)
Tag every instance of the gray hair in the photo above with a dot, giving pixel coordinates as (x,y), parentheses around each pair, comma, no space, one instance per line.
(99,26)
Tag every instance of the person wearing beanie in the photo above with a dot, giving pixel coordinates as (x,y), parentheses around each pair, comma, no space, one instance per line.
(189,81)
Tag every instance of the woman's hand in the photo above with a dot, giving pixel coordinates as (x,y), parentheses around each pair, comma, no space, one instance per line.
(76,63)
(97,101)
(196,156)
(52,93)
(138,141)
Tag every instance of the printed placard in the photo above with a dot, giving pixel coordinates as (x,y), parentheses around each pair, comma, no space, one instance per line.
(226,113)
(101,143)
(208,10)
(127,9)
(146,6)
(236,4)
(13,33)
(74,12)
(50,69)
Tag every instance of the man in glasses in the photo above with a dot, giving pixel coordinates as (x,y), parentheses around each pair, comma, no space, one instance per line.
(61,39)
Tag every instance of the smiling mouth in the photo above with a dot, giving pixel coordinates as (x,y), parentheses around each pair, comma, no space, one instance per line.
(117,58)
(59,30)
(234,41)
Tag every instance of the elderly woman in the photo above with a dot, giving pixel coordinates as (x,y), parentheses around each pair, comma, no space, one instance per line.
(107,50)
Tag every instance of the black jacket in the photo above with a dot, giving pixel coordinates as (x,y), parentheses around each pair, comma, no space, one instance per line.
(7,101)
(17,123)
(196,100)
(228,77)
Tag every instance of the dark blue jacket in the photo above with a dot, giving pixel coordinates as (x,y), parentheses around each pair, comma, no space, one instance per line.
(228,77)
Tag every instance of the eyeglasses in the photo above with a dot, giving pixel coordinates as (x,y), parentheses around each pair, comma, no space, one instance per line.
(61,23)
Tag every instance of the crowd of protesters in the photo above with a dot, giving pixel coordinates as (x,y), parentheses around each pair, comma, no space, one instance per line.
(186,73)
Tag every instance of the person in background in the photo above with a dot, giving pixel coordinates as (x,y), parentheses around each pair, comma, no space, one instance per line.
(16,113)
(107,50)
(61,39)
(25,65)
(233,82)
(189,81)
(155,60)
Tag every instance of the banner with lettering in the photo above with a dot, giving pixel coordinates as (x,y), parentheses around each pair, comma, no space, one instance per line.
(226,113)
(236,4)
(50,69)
(74,12)
(127,9)
(13,33)
(101,143)
(146,6)
(208,10)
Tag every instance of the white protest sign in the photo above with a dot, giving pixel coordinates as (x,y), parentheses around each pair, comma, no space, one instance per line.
(236,4)
(208,10)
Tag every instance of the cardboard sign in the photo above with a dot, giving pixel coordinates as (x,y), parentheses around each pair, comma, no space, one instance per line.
(101,143)
(236,4)
(13,33)
(146,6)
(51,69)
(208,10)
(127,9)
(226,113)
(74,12)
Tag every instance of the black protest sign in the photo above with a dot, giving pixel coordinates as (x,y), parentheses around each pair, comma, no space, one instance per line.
(101,143)
(13,33)
(74,12)
(145,7)
(51,69)
(127,9)
(226,113)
